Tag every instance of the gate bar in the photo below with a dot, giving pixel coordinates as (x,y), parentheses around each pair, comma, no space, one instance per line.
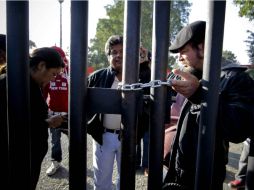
(18,86)
(129,98)
(211,79)
(77,94)
(158,95)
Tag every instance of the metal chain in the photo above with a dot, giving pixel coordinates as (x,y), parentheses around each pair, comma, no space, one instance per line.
(139,86)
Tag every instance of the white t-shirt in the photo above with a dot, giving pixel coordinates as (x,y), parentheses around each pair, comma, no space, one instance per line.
(112,121)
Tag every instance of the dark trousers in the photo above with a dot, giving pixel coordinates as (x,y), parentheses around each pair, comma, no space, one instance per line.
(144,154)
(39,148)
(56,149)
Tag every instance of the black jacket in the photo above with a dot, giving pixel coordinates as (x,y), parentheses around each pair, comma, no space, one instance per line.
(235,116)
(39,128)
(102,78)
(143,116)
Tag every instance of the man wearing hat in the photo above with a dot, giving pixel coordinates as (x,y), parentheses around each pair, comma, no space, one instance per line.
(235,109)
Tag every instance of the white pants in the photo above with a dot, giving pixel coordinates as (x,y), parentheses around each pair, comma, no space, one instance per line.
(103,161)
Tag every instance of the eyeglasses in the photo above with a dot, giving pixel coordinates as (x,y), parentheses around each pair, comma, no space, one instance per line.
(114,53)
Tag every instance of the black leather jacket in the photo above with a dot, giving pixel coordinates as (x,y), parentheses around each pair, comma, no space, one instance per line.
(235,115)
(103,78)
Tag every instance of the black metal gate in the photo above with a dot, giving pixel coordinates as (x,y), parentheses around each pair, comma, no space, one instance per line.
(125,102)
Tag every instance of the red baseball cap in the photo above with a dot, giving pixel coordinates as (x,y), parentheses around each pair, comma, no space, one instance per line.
(62,54)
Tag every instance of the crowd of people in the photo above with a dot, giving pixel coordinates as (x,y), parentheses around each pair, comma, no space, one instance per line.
(48,68)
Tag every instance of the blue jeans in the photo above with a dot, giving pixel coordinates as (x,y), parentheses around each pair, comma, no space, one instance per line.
(104,157)
(56,149)
(144,163)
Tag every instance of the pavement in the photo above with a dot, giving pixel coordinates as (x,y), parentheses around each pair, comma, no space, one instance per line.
(59,181)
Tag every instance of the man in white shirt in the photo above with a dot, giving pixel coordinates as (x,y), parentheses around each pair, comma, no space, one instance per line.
(107,144)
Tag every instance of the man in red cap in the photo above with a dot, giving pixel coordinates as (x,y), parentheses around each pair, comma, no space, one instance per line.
(57,94)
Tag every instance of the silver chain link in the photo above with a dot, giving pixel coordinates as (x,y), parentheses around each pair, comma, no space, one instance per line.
(139,86)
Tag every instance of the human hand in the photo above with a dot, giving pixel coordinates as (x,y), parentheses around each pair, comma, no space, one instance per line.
(143,54)
(55,121)
(188,84)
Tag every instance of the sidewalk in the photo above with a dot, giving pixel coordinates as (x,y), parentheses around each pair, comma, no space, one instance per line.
(60,180)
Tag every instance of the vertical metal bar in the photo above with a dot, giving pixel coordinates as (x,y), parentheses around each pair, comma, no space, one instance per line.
(158,104)
(18,93)
(77,94)
(211,78)
(250,168)
(129,100)
(61,24)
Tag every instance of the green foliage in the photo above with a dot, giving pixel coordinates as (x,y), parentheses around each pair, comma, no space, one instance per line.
(146,24)
(246,8)
(106,27)
(250,45)
(172,64)
(113,24)
(180,11)
(229,55)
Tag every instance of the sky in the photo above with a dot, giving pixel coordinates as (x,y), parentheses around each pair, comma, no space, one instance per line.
(44,20)
(234,29)
(44,23)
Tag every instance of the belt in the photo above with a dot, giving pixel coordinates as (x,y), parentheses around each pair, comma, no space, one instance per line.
(116,131)
(56,113)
